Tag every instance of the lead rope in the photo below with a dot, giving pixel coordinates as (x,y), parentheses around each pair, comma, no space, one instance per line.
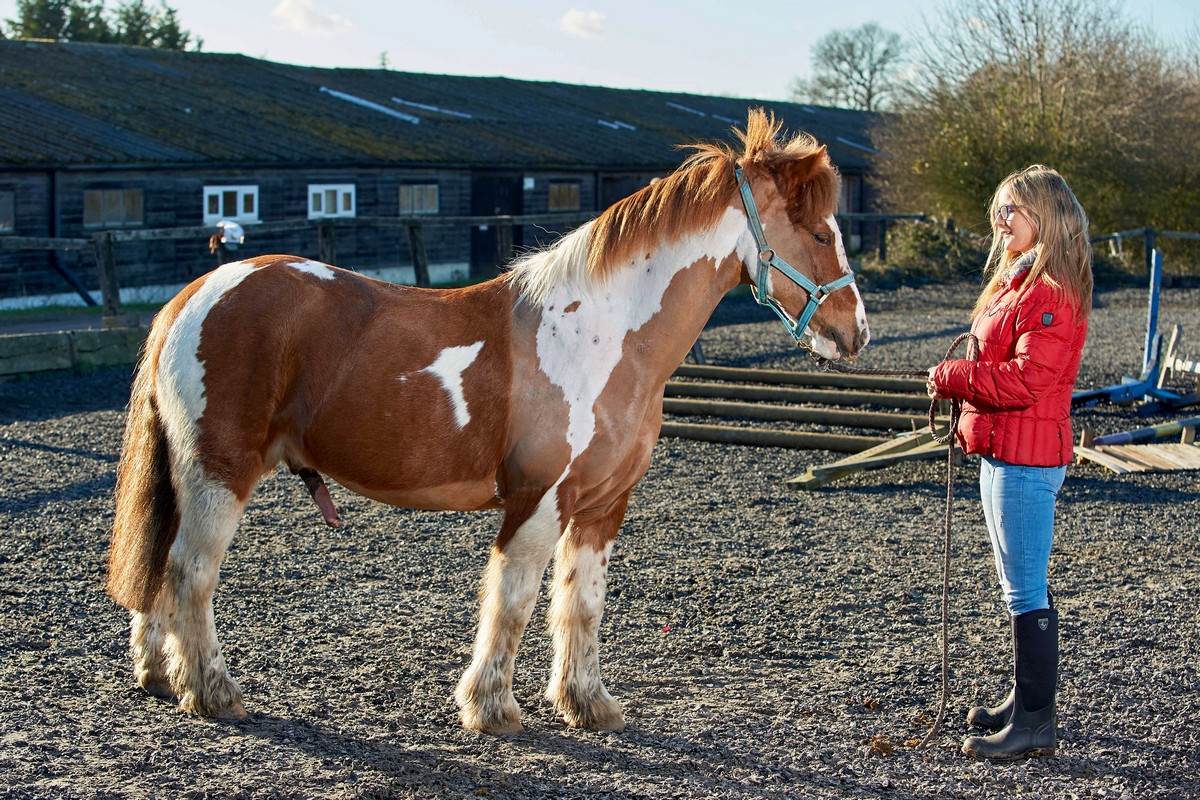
(948,438)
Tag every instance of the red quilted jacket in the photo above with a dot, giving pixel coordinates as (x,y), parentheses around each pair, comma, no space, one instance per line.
(1017,396)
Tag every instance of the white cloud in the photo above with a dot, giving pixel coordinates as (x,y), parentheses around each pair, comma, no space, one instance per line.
(582,24)
(299,15)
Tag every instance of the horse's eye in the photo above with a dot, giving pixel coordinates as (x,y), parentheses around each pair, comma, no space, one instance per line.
(823,239)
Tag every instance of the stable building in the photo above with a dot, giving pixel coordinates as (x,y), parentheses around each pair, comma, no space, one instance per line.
(98,138)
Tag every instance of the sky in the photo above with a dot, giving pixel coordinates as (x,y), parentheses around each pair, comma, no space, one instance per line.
(749,49)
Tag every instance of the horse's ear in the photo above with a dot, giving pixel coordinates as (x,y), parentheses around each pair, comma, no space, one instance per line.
(798,172)
(810,183)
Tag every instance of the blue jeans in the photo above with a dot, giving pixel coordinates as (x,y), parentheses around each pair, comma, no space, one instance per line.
(1018,504)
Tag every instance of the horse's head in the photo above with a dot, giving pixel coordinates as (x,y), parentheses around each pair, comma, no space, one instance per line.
(799,266)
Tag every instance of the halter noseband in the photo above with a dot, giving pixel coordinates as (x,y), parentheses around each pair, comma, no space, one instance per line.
(767,258)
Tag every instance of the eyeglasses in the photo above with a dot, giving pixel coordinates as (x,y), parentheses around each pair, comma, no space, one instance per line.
(1004,213)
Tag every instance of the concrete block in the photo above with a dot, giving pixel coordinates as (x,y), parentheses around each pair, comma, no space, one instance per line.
(34,352)
(99,348)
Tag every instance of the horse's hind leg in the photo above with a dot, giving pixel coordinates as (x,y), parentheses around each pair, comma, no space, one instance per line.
(576,607)
(510,588)
(195,665)
(147,639)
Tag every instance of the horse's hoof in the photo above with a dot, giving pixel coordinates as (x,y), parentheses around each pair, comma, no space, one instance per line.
(598,717)
(499,725)
(235,713)
(232,712)
(160,689)
(598,713)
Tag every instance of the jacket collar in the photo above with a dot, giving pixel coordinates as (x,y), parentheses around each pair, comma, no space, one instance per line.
(1018,270)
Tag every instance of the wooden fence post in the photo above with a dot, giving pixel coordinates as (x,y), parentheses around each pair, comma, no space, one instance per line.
(327,243)
(504,245)
(110,289)
(420,259)
(883,231)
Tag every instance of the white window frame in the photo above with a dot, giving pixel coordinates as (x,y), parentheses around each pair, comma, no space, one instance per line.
(241,193)
(413,194)
(344,197)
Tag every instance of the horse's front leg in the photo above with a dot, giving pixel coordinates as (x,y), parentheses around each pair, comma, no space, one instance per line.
(510,587)
(576,607)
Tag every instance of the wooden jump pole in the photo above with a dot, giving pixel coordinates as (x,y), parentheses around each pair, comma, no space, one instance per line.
(768,438)
(822,416)
(789,378)
(830,397)
(1146,434)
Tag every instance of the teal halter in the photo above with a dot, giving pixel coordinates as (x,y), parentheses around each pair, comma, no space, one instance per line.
(767,259)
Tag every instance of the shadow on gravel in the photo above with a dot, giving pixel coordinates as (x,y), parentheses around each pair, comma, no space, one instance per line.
(1131,489)
(25,504)
(450,769)
(62,451)
(59,394)
(437,769)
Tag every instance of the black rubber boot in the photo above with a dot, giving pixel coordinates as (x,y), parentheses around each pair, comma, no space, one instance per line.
(1030,730)
(995,717)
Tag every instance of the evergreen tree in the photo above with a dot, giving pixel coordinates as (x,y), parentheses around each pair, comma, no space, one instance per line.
(133,22)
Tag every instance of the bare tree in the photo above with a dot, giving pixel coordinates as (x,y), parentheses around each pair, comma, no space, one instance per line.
(1001,84)
(852,68)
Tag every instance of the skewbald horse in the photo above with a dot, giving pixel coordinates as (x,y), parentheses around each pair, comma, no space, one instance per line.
(539,392)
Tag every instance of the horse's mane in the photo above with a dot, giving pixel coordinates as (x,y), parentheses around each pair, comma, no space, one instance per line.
(692,198)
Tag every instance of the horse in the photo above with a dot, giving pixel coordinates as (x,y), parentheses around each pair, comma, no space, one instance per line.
(538,392)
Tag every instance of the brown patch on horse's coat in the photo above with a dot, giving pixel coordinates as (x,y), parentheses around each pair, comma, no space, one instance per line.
(571,308)
(147,516)
(282,387)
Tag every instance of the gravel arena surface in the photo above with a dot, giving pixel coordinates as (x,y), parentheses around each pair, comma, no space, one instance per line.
(764,643)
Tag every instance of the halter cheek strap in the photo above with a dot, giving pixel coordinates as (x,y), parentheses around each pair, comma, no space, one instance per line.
(768,259)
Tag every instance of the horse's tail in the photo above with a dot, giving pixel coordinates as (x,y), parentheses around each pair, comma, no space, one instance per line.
(147,515)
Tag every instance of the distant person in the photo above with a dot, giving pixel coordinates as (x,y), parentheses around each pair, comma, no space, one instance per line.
(1030,322)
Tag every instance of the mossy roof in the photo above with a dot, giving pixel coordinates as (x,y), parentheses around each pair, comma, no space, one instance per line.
(71,104)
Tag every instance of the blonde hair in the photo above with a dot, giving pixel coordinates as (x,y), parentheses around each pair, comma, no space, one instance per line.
(1062,250)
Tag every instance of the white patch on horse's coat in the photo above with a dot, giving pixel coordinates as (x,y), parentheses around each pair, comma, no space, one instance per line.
(448,367)
(826,347)
(542,272)
(322,271)
(860,309)
(180,378)
(578,350)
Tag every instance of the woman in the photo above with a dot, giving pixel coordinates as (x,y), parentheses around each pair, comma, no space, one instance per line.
(1030,322)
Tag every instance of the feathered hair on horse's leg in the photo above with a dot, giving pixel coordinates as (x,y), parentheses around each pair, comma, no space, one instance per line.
(576,608)
(147,516)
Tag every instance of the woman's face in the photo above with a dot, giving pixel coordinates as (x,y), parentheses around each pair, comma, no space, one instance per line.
(1014,224)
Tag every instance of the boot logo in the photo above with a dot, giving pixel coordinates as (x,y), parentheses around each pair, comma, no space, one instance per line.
(1044,623)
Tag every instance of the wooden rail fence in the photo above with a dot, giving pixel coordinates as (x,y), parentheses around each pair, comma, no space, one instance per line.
(103,244)
(827,399)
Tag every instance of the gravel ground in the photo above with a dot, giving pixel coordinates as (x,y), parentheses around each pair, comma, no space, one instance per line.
(765,643)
